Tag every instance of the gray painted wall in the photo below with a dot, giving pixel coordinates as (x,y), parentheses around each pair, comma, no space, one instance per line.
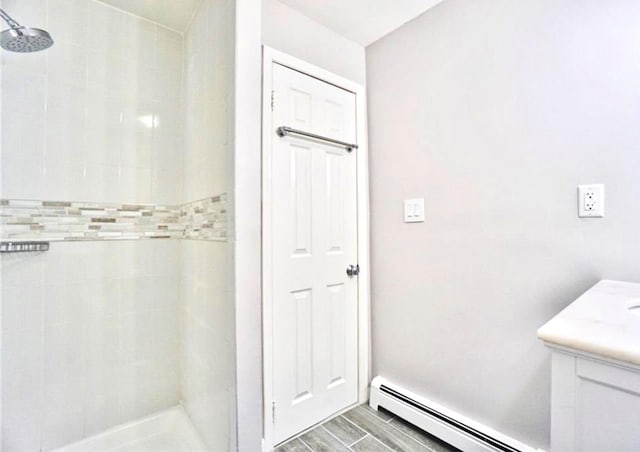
(289,31)
(494,111)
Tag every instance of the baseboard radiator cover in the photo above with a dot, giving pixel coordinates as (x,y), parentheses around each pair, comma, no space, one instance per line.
(451,427)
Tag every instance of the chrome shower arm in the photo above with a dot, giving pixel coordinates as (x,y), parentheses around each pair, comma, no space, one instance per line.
(9,20)
(21,39)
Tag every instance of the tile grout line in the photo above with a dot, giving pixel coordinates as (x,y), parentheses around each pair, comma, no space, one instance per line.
(408,436)
(420,443)
(358,440)
(373,411)
(381,443)
(338,439)
(374,439)
(358,427)
(299,438)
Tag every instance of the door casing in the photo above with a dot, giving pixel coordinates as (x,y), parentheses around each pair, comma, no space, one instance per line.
(271,56)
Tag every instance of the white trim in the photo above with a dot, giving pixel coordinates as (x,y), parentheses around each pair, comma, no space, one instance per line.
(246,423)
(1,272)
(271,56)
(442,430)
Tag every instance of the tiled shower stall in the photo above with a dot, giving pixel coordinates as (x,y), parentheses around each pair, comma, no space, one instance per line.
(117,149)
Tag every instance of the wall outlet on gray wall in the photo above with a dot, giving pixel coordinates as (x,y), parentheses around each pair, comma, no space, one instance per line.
(591,201)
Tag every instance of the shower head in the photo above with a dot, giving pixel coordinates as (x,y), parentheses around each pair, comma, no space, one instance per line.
(25,40)
(22,39)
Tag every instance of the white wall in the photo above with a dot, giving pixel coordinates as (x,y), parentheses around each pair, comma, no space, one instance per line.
(494,111)
(289,31)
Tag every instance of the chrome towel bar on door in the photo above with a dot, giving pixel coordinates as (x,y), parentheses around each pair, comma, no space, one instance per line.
(284,131)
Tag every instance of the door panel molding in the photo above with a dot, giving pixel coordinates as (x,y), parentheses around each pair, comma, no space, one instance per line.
(271,57)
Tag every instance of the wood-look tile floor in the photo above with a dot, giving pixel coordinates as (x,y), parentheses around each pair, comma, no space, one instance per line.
(363,429)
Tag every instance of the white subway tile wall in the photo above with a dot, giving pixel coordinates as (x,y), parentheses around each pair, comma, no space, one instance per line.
(209,51)
(90,339)
(208,360)
(207,347)
(99,116)
(97,331)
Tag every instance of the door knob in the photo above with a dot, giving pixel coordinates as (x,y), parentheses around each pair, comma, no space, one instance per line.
(353,270)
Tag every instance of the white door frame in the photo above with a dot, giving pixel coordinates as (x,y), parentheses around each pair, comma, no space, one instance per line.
(271,56)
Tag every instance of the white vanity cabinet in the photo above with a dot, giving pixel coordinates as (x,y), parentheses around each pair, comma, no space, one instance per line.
(595,405)
(595,387)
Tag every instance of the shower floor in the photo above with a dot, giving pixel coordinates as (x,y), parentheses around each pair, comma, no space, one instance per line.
(167,431)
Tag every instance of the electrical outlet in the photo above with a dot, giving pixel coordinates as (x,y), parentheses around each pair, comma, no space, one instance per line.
(591,201)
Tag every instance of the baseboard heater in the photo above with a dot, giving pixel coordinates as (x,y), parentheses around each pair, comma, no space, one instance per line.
(451,427)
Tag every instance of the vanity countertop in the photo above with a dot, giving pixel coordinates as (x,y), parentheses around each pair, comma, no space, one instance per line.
(600,322)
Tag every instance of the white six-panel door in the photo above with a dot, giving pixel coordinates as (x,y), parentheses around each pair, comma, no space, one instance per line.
(314,239)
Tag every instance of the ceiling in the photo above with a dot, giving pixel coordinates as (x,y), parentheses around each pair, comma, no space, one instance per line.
(175,14)
(362,21)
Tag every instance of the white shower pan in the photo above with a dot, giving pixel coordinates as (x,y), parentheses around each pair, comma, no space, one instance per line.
(166,431)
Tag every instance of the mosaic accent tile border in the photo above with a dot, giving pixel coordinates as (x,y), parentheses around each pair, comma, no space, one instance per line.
(205,219)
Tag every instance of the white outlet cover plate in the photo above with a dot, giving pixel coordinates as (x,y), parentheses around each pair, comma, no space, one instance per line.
(414,210)
(591,201)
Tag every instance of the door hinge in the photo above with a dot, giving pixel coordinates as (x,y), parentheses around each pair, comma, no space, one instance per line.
(273,411)
(273,95)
